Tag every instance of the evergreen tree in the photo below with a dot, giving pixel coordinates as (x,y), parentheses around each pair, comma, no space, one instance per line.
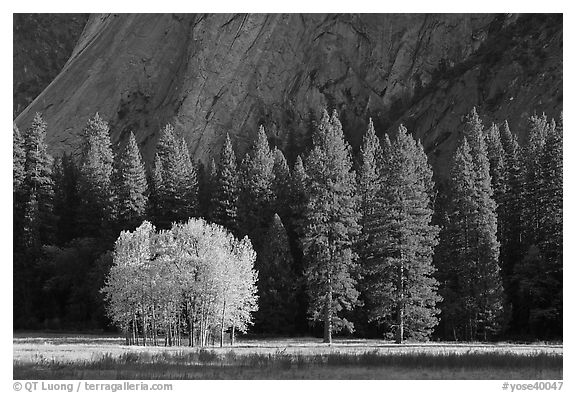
(533,193)
(225,195)
(473,236)
(178,190)
(18,177)
(402,289)
(256,195)
(96,174)
(31,236)
(510,222)
(331,226)
(281,185)
(188,183)
(297,202)
(33,193)
(539,274)
(38,182)
(298,194)
(166,178)
(489,286)
(371,161)
(456,269)
(132,187)
(157,191)
(552,170)
(278,284)
(18,160)
(496,158)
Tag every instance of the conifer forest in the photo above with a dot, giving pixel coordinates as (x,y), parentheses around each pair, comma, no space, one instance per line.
(333,241)
(288,196)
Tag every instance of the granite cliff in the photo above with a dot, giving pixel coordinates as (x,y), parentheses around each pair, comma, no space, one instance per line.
(210,75)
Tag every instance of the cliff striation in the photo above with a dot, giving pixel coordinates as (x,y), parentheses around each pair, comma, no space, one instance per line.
(210,75)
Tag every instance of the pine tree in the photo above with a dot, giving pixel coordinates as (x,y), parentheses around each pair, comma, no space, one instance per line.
(281,185)
(18,160)
(496,158)
(456,273)
(18,177)
(371,162)
(510,222)
(331,226)
(402,289)
(156,191)
(256,194)
(96,175)
(132,187)
(277,284)
(539,274)
(298,195)
(533,194)
(178,190)
(473,228)
(38,182)
(211,180)
(297,202)
(552,171)
(225,195)
(167,174)
(31,236)
(489,287)
(188,183)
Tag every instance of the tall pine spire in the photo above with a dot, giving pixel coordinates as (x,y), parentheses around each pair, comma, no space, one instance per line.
(225,190)
(401,286)
(132,186)
(96,171)
(331,226)
(38,182)
(473,226)
(256,194)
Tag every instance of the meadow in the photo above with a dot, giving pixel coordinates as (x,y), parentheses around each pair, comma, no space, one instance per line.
(61,356)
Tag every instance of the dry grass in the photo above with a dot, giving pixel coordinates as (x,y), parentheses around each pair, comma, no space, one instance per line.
(100,357)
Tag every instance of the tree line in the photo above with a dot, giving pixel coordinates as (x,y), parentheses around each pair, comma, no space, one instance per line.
(364,243)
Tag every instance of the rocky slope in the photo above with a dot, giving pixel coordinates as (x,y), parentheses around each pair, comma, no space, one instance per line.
(42,45)
(515,74)
(213,74)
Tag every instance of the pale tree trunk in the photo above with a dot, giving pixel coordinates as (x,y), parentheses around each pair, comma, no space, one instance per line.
(179,330)
(154,338)
(134,330)
(202,326)
(232,331)
(400,305)
(190,323)
(144,328)
(328,314)
(222,325)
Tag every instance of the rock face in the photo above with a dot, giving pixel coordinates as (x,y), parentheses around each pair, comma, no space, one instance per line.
(515,74)
(210,75)
(42,45)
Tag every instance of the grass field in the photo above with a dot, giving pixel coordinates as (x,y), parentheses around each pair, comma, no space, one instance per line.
(57,356)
